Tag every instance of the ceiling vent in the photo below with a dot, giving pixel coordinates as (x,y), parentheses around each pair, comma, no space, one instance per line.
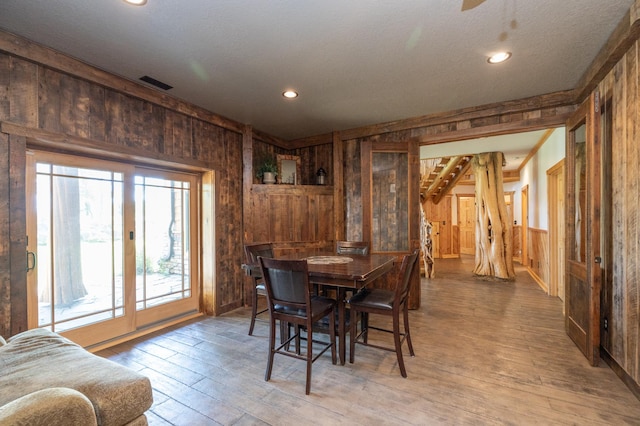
(154,82)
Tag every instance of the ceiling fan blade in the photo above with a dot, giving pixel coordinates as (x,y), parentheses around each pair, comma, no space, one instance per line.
(470,4)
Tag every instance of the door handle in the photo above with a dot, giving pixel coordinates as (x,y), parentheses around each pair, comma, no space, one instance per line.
(31,255)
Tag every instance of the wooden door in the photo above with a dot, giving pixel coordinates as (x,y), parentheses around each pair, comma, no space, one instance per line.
(435,239)
(556,196)
(582,283)
(467,223)
(391,204)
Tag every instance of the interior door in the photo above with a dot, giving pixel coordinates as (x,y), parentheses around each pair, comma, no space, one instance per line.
(467,223)
(390,203)
(582,283)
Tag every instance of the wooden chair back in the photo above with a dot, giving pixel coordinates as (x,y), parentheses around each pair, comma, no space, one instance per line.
(352,247)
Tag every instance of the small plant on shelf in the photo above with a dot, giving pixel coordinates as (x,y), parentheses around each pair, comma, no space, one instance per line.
(267,170)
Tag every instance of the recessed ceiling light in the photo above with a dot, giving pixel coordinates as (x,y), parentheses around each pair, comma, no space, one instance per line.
(290,94)
(499,57)
(136,2)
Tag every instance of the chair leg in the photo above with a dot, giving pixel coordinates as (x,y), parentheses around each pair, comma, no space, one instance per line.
(398,344)
(272,343)
(406,330)
(309,358)
(353,332)
(296,330)
(254,310)
(332,336)
(365,327)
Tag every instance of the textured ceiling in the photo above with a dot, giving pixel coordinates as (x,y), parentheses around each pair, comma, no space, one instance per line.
(355,63)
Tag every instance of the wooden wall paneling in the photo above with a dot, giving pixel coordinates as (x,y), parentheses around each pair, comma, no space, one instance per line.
(36,53)
(606,94)
(539,256)
(327,222)
(210,229)
(324,159)
(49,100)
(23,92)
(619,148)
(280,212)
(367,227)
(97,114)
(177,134)
(74,108)
(337,180)
(517,242)
(262,217)
(230,252)
(114,131)
(352,191)
(248,217)
(17,233)
(5,85)
(455,236)
(5,235)
(632,261)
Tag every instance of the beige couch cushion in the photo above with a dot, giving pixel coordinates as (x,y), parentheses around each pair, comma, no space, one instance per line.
(38,359)
(49,407)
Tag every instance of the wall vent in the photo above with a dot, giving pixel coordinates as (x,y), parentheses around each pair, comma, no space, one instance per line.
(154,82)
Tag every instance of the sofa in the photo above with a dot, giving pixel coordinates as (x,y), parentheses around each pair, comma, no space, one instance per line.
(46,379)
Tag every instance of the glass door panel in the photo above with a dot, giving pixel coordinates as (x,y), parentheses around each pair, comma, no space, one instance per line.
(162,241)
(166,231)
(80,233)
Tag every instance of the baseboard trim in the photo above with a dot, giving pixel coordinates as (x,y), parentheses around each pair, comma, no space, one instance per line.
(537,279)
(633,386)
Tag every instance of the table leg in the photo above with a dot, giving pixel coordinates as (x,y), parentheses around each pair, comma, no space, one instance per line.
(341,324)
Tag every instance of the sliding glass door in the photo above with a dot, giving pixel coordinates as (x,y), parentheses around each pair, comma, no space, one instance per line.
(111,246)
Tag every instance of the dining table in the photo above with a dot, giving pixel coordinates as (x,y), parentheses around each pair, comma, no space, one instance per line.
(344,272)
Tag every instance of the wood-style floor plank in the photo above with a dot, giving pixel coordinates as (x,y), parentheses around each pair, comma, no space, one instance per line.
(486,353)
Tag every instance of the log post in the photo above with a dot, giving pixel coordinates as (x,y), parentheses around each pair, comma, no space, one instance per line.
(494,235)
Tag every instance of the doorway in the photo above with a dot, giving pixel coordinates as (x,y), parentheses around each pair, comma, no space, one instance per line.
(467,223)
(556,202)
(116,246)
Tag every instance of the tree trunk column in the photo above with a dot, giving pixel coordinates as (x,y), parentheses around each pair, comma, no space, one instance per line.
(494,234)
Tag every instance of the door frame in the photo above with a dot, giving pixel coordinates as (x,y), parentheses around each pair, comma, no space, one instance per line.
(524,210)
(412,149)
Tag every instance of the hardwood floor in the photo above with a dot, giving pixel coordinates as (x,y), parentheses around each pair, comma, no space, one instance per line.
(486,353)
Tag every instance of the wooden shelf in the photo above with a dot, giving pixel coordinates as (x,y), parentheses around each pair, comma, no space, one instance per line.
(291,189)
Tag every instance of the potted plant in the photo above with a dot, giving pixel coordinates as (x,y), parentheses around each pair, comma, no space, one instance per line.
(268,170)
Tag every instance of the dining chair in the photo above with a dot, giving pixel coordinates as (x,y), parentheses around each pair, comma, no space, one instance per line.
(352,247)
(251,252)
(291,301)
(384,302)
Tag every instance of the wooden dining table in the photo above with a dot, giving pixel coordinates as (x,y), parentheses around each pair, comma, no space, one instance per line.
(345,272)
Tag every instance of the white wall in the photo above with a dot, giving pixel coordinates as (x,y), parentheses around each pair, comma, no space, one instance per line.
(534,174)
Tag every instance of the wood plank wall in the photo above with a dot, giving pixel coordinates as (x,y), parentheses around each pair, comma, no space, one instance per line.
(621,304)
(517,244)
(68,108)
(538,256)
